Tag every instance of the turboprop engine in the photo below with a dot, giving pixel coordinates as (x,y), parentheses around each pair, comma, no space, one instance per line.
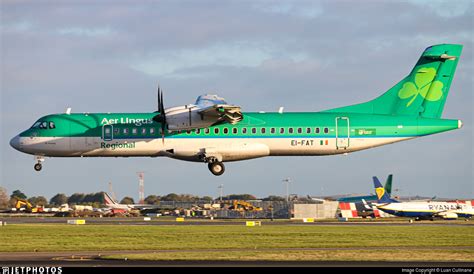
(186,117)
(207,111)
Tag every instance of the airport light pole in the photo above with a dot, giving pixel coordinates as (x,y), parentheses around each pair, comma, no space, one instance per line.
(141,187)
(287,181)
(221,190)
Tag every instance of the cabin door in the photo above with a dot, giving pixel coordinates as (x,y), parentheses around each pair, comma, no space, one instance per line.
(342,132)
(107,132)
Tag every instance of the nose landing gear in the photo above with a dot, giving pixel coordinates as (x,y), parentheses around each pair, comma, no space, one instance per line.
(39,160)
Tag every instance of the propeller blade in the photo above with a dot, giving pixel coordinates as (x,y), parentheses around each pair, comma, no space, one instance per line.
(162,111)
(158,96)
(161,116)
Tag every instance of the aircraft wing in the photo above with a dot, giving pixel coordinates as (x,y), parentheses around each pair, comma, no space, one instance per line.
(220,112)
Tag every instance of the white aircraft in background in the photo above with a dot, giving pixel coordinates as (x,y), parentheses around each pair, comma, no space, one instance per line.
(427,210)
(112,204)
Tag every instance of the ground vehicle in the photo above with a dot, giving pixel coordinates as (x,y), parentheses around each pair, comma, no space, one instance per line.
(25,205)
(244,206)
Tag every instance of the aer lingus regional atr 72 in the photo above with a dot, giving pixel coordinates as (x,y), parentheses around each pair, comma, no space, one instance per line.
(213,132)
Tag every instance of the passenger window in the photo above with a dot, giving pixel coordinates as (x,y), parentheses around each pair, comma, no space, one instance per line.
(216,131)
(188,132)
(198,131)
(244,130)
(206,130)
(225,130)
(43,125)
(282,130)
(300,130)
(308,130)
(263,130)
(272,130)
(326,130)
(144,131)
(52,125)
(317,130)
(134,131)
(234,130)
(116,131)
(290,130)
(152,131)
(125,131)
(254,130)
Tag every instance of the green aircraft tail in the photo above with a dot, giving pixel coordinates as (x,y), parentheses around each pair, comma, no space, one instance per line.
(388,184)
(423,92)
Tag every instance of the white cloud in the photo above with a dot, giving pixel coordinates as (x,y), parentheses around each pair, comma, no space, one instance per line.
(19,26)
(89,32)
(306,10)
(445,8)
(237,54)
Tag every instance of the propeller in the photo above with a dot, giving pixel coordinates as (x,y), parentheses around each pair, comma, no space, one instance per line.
(161,117)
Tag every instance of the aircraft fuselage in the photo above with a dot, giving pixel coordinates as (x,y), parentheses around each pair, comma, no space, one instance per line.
(258,135)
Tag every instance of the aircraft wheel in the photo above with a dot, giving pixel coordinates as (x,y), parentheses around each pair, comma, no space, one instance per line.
(216,168)
(38,167)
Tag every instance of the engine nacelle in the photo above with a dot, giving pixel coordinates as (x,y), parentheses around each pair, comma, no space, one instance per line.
(448,215)
(186,117)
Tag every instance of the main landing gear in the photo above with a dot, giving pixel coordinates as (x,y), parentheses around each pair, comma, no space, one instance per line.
(216,168)
(214,163)
(39,160)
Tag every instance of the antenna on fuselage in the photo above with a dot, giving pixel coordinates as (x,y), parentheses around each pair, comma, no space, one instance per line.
(68,110)
(280,110)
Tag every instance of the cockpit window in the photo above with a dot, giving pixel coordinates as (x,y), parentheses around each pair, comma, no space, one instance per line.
(36,125)
(43,125)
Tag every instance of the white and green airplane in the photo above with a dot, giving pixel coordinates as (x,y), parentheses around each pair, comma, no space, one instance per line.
(213,132)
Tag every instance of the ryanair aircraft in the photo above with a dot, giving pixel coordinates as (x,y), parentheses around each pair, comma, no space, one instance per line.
(428,210)
(212,131)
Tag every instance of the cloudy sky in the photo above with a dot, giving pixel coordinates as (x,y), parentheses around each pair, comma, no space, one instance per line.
(108,56)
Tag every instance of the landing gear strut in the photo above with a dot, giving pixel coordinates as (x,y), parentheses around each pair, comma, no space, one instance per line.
(38,166)
(216,168)
(214,163)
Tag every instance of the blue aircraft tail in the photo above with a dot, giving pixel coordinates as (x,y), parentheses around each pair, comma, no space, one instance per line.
(382,195)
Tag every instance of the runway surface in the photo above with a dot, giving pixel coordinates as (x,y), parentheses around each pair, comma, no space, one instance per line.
(164,222)
(93,259)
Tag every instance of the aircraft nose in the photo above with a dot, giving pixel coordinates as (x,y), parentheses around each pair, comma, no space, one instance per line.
(15,142)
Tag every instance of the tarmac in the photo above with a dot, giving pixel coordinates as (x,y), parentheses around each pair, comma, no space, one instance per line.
(160,221)
(93,259)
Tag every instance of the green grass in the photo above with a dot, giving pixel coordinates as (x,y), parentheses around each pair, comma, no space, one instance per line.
(237,242)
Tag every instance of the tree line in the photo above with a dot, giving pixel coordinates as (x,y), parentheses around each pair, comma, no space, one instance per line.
(97,199)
